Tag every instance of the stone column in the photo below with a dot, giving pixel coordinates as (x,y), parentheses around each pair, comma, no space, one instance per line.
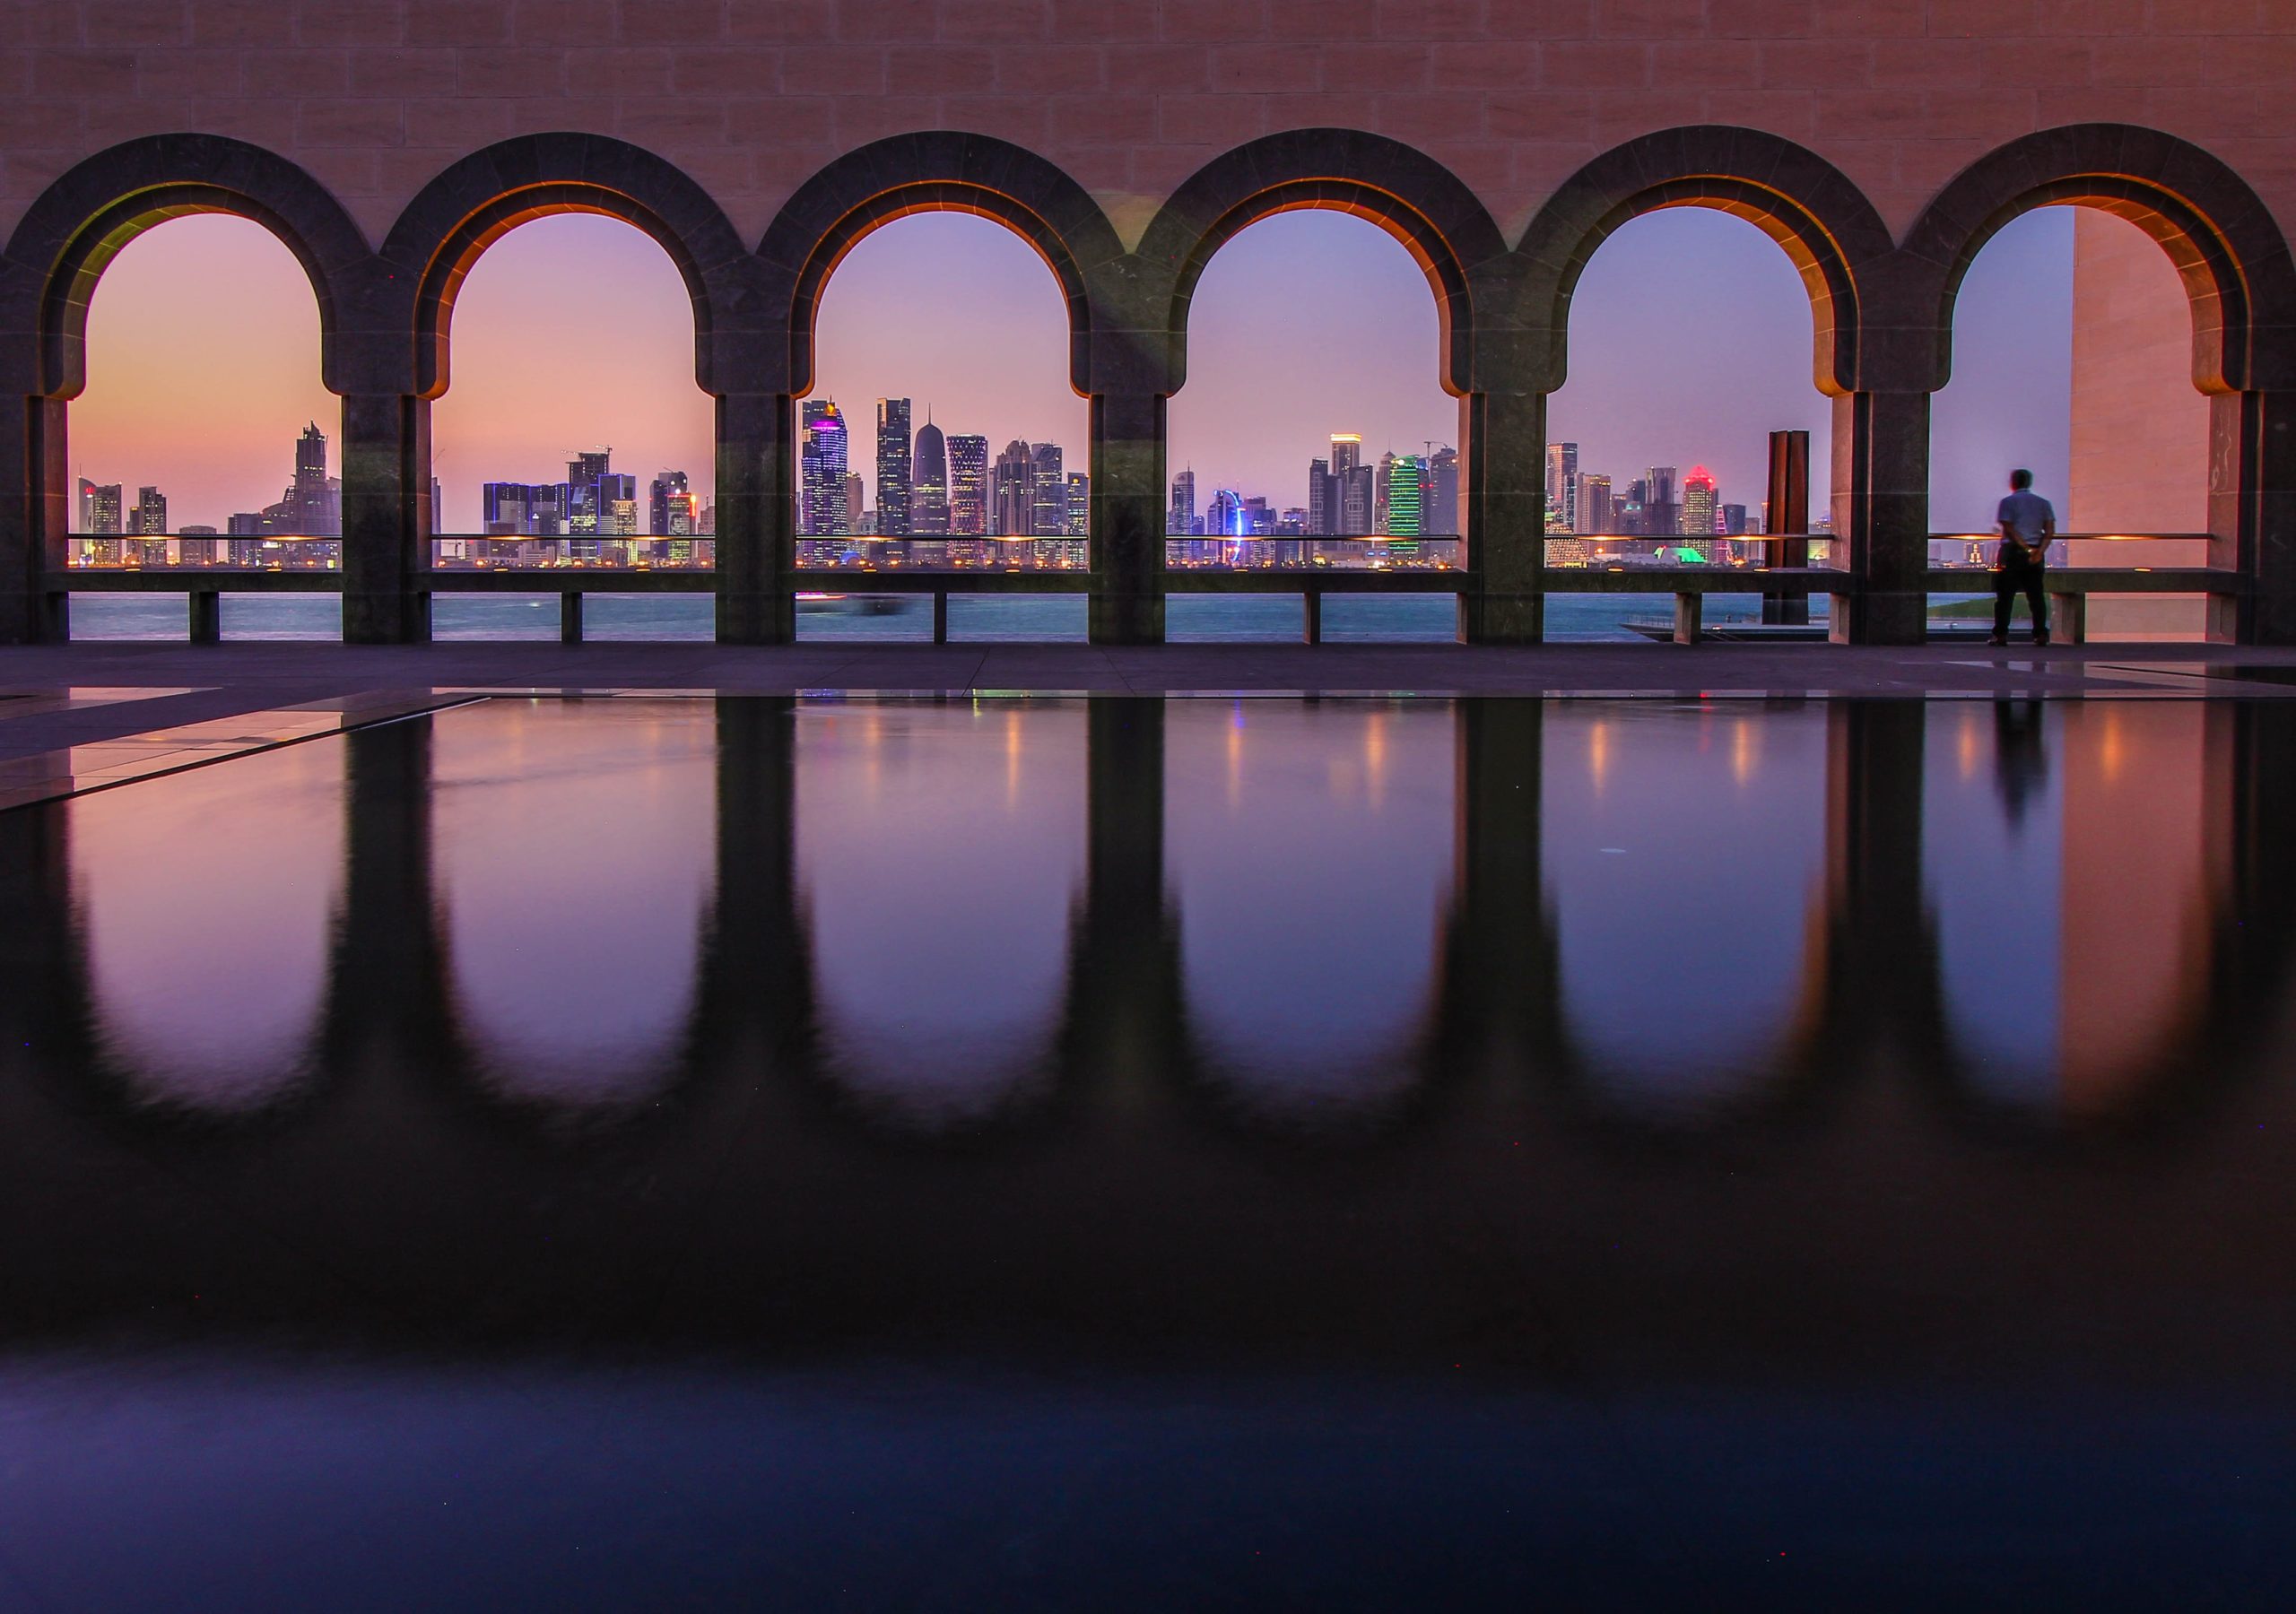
(387,519)
(388,997)
(1880,515)
(2252,515)
(35,517)
(1128,539)
(757,519)
(1502,506)
(1881,956)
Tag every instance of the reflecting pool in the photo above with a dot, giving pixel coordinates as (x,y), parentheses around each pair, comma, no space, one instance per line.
(933,1152)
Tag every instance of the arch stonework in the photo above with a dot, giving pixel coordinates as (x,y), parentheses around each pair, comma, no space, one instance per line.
(1138,139)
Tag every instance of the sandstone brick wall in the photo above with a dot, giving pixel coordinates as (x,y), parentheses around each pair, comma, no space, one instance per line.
(1130,96)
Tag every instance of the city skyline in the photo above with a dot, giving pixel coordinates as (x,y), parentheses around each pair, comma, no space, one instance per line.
(522,395)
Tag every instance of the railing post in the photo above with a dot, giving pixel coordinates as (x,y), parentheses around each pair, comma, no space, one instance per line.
(206,616)
(1502,500)
(1127,520)
(1690,613)
(1881,513)
(757,519)
(569,617)
(2252,515)
(35,516)
(939,616)
(1311,616)
(387,519)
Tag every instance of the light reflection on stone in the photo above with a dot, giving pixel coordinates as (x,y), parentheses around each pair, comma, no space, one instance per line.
(205,905)
(575,856)
(940,855)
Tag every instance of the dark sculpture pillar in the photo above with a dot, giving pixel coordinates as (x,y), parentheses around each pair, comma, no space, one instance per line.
(35,516)
(1127,521)
(1503,508)
(387,519)
(757,519)
(2252,515)
(1880,515)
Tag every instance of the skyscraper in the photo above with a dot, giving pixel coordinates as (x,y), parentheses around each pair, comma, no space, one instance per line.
(1346,452)
(1320,497)
(1224,517)
(1438,497)
(1049,518)
(821,470)
(1079,490)
(853,502)
(929,508)
(1662,501)
(966,515)
(668,492)
(150,516)
(1404,508)
(1181,518)
(1012,492)
(1561,485)
(1701,505)
(894,451)
(100,508)
(1593,514)
(586,500)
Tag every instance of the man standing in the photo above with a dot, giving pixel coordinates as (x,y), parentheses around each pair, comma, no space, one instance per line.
(2027,525)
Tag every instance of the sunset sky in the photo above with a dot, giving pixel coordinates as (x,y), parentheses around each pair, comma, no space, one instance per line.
(1690,342)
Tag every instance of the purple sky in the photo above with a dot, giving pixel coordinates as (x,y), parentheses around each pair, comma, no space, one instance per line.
(1689,338)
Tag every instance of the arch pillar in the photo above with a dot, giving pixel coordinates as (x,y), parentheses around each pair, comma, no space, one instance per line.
(1128,439)
(2252,515)
(387,519)
(757,519)
(1502,506)
(1881,515)
(35,517)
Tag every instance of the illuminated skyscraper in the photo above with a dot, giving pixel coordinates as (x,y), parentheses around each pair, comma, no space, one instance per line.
(1439,497)
(1702,506)
(100,508)
(1662,501)
(1561,485)
(668,490)
(894,451)
(1049,518)
(1079,490)
(1320,497)
(150,516)
(1346,452)
(1181,518)
(928,484)
(1593,514)
(1224,517)
(821,466)
(967,507)
(1012,492)
(853,502)
(1403,507)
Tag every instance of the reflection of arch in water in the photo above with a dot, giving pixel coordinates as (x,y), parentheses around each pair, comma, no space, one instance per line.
(939,1008)
(1299,1008)
(574,989)
(1660,903)
(2168,927)
(207,989)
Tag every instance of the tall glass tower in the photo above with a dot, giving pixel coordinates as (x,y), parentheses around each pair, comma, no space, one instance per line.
(893,451)
(821,470)
(968,487)
(928,484)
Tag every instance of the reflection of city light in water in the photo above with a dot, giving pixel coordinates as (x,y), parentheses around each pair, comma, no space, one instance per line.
(1741,752)
(1235,757)
(1013,759)
(1598,754)
(1967,748)
(2112,750)
(1375,758)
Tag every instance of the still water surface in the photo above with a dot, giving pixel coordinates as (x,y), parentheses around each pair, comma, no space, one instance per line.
(1312,1150)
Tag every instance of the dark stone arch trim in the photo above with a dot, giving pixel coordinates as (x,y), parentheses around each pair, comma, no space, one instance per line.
(2222,240)
(478,200)
(936,171)
(80,223)
(1407,193)
(1837,240)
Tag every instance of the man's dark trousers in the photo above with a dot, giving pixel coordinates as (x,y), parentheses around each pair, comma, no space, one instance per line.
(2020,575)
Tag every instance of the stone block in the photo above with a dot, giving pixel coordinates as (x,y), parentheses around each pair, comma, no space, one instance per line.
(458,21)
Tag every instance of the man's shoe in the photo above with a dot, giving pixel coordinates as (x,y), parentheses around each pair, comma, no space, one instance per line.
(2001,639)
(2041,641)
